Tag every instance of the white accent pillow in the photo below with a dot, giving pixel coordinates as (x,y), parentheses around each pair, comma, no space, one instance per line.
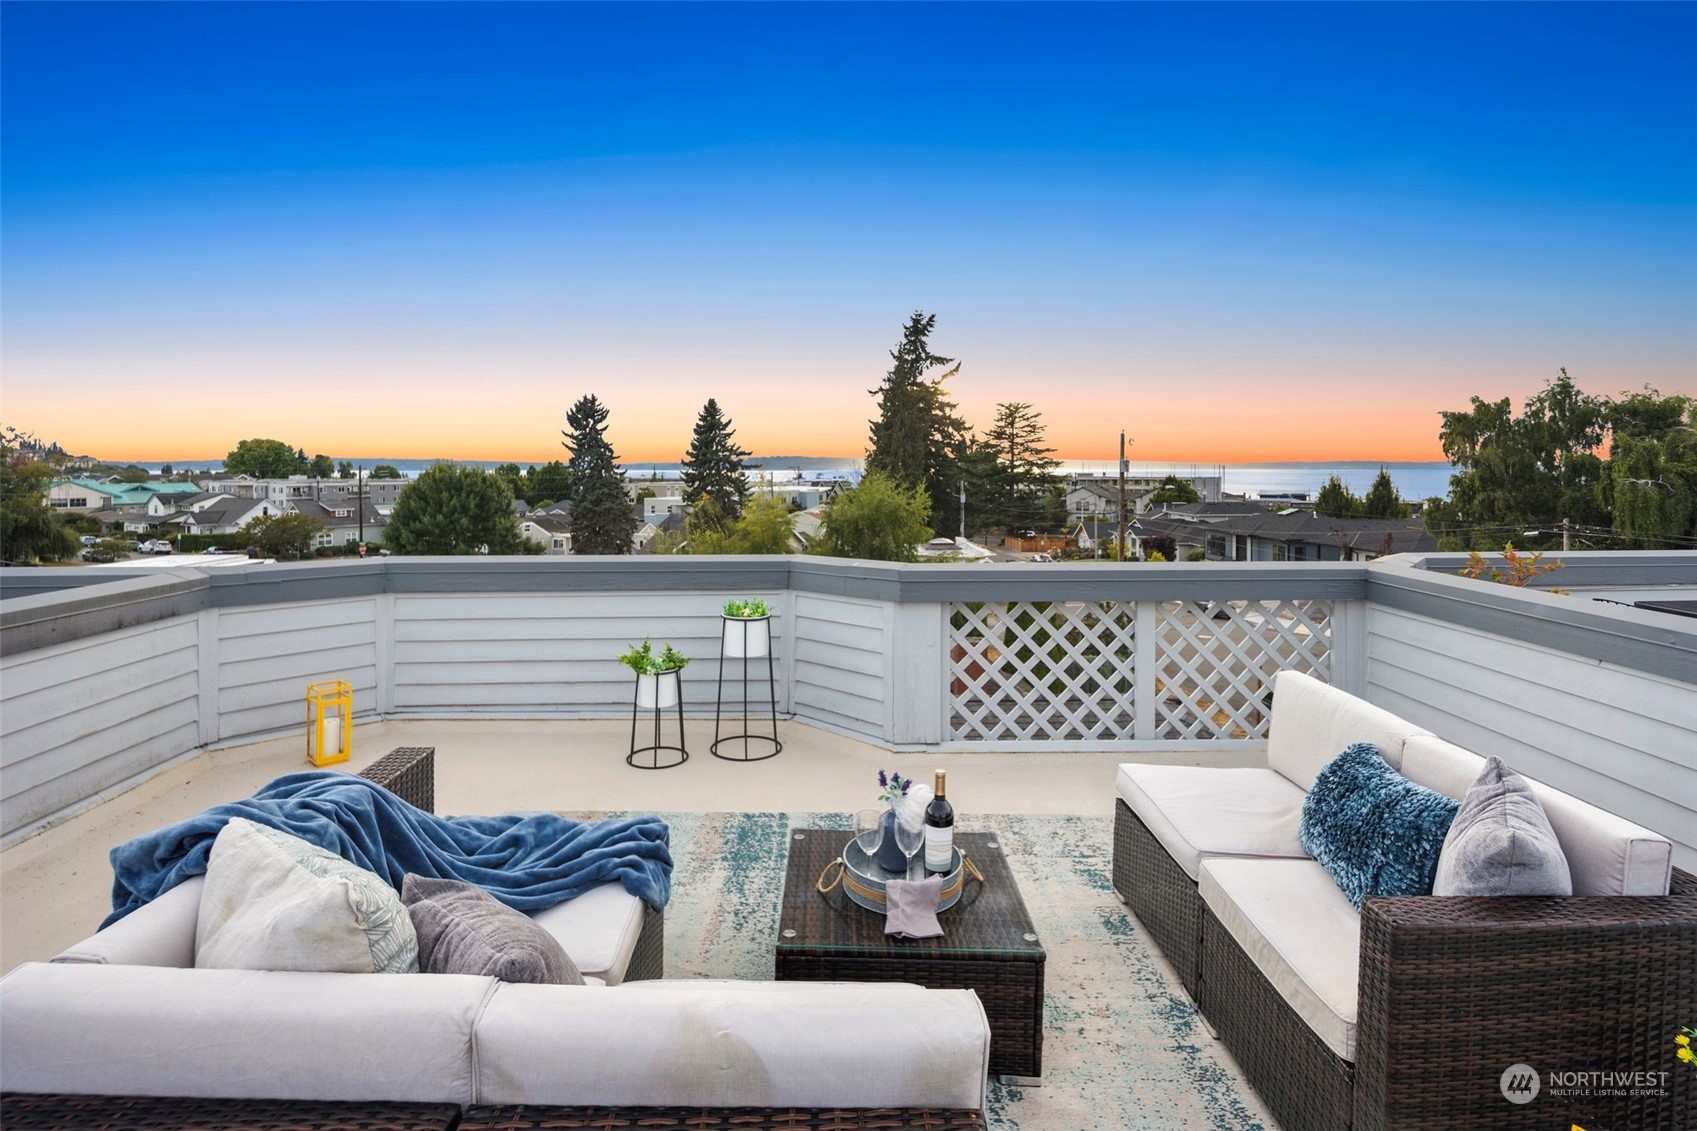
(274,902)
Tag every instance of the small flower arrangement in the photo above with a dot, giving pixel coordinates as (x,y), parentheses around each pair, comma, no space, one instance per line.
(642,660)
(895,787)
(1683,1052)
(746,608)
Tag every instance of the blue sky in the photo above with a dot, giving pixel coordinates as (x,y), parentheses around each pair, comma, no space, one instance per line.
(1239,231)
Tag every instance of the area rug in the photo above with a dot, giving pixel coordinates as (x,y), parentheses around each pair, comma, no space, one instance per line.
(1123,1047)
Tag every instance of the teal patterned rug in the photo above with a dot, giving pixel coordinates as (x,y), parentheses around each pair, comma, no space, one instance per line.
(1122,1046)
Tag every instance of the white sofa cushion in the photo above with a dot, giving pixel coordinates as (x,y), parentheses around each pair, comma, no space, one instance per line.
(158,933)
(1314,722)
(599,929)
(1197,811)
(1300,931)
(1606,854)
(274,902)
(752,1044)
(261,1034)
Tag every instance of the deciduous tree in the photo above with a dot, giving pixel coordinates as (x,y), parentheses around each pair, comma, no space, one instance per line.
(1515,472)
(386,471)
(455,509)
(262,459)
(1174,490)
(550,483)
(712,468)
(1651,481)
(603,520)
(323,467)
(880,520)
(764,528)
(29,530)
(282,536)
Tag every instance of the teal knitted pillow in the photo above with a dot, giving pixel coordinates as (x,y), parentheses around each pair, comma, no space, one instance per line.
(1375,831)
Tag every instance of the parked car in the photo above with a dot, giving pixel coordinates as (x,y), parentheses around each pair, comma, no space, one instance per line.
(90,539)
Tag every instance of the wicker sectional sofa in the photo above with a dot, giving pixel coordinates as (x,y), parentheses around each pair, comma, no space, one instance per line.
(1407,1015)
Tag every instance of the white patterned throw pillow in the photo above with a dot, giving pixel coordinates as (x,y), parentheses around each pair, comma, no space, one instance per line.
(274,902)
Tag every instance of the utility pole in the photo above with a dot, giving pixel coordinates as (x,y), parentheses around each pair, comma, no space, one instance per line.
(1566,536)
(963,510)
(359,501)
(1122,497)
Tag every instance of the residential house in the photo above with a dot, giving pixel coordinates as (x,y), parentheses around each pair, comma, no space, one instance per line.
(550,529)
(343,522)
(1300,536)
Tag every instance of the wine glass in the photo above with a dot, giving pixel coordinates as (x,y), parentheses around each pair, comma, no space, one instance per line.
(869,830)
(908,839)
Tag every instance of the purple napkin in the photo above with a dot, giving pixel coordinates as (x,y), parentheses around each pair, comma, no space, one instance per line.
(910,908)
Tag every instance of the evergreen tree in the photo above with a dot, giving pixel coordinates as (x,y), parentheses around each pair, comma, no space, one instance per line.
(454,509)
(1335,500)
(1382,500)
(603,520)
(712,468)
(917,439)
(550,483)
(1017,438)
(345,469)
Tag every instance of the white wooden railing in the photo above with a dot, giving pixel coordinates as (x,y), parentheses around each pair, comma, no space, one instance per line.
(103,681)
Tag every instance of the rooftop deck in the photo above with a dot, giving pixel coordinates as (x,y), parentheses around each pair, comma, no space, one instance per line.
(56,885)
(131,699)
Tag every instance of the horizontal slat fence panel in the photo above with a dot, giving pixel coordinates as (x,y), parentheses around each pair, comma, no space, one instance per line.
(86,716)
(839,661)
(268,654)
(1624,740)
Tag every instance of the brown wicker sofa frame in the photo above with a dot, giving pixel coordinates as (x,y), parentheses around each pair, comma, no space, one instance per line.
(1452,992)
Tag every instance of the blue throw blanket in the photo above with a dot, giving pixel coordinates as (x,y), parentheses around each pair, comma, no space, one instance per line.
(525,862)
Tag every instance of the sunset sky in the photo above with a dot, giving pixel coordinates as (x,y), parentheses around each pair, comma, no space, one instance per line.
(1240,233)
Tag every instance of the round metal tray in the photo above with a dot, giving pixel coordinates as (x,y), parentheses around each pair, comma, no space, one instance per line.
(864,879)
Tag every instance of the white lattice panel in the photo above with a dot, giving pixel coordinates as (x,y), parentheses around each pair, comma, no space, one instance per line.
(1040,671)
(1215,660)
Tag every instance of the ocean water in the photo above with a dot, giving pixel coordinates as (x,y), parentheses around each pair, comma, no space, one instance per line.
(1413,480)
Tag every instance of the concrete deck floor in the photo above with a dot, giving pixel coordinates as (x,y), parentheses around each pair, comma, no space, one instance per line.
(55,887)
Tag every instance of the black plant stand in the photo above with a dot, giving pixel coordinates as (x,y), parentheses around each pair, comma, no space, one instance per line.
(745,737)
(653,751)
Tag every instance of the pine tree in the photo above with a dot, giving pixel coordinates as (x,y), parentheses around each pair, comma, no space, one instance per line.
(1337,501)
(1382,500)
(1017,437)
(603,520)
(712,468)
(917,438)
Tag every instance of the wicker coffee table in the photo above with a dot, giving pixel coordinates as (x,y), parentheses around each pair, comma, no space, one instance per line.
(989,944)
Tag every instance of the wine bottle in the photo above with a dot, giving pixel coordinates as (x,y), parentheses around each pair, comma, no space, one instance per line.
(939,831)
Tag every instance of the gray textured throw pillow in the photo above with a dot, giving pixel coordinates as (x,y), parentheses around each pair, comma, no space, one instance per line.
(462,929)
(1501,843)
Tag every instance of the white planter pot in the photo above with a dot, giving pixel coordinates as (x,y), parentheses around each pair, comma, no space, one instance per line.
(659,690)
(748,636)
